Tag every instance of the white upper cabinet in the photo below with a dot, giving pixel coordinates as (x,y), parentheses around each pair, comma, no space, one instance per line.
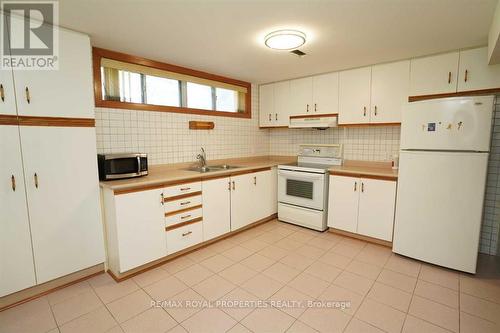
(16,255)
(216,207)
(325,90)
(281,115)
(66,92)
(301,96)
(474,72)
(389,91)
(266,105)
(7,97)
(354,96)
(434,74)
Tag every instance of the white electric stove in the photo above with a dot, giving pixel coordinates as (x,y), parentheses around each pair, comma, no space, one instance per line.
(303,186)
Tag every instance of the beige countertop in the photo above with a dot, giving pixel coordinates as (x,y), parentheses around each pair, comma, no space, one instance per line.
(382,170)
(168,174)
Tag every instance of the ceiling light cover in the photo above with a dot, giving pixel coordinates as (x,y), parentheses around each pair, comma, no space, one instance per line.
(285,39)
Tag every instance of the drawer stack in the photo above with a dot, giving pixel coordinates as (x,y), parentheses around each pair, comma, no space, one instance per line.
(183,216)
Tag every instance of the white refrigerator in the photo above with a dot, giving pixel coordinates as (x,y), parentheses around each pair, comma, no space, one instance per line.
(442,178)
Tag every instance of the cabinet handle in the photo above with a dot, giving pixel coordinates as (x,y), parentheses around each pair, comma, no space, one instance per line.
(362,187)
(255,180)
(315,107)
(185,188)
(185,216)
(307,108)
(28,98)
(465,79)
(276,116)
(36,179)
(269,117)
(449,77)
(185,203)
(364,111)
(162,197)
(187,233)
(234,187)
(229,185)
(355,186)
(375,110)
(2,94)
(13,180)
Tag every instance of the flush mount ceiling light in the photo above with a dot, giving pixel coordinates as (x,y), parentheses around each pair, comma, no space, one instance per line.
(285,39)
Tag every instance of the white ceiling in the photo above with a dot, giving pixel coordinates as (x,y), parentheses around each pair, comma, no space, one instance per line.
(225,36)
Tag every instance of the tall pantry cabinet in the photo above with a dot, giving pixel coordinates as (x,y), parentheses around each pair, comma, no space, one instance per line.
(49,195)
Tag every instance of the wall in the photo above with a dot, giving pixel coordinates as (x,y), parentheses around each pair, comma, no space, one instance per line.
(491,212)
(166,138)
(360,143)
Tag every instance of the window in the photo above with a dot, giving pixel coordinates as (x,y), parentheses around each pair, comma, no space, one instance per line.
(136,83)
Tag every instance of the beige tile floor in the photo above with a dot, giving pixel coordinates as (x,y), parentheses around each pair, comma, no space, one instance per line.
(276,262)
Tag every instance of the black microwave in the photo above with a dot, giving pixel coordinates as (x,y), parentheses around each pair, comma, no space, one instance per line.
(119,166)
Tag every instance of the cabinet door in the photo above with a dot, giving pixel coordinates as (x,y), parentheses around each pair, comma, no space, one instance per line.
(376,208)
(343,203)
(242,196)
(65,92)
(301,96)
(266,105)
(16,255)
(474,72)
(326,93)
(434,74)
(390,88)
(216,207)
(140,228)
(63,198)
(354,96)
(7,98)
(281,116)
(265,194)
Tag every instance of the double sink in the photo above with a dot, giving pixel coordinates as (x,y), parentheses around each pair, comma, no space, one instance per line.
(211,168)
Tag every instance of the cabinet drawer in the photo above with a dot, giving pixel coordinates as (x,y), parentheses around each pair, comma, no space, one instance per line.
(183,217)
(184,237)
(188,202)
(173,191)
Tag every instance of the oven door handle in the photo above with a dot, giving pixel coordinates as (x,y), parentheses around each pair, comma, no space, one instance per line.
(300,174)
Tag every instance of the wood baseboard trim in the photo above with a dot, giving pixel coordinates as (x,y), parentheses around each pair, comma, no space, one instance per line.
(361,237)
(479,92)
(26,295)
(157,263)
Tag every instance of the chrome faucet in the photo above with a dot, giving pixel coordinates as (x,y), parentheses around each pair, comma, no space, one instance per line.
(203,158)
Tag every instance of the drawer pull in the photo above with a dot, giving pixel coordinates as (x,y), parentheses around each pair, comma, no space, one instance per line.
(187,233)
(185,188)
(465,79)
(162,199)
(355,186)
(28,97)
(35,176)
(375,110)
(364,111)
(2,94)
(362,187)
(185,216)
(185,203)
(13,181)
(449,77)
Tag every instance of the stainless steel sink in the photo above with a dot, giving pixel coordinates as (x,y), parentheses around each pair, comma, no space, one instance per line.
(213,168)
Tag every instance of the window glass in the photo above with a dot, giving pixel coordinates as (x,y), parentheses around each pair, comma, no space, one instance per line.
(199,96)
(130,87)
(162,91)
(226,100)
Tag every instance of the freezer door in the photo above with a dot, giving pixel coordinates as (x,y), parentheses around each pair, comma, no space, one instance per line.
(439,207)
(460,123)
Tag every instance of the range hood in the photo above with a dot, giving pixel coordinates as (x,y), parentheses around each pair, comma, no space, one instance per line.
(313,121)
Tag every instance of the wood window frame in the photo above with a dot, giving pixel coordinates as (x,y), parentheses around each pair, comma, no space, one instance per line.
(98,54)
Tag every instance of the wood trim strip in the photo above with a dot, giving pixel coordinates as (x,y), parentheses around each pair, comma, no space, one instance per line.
(316,115)
(362,175)
(201,125)
(264,127)
(182,224)
(243,172)
(182,196)
(9,120)
(362,237)
(456,94)
(162,261)
(138,189)
(369,124)
(182,210)
(46,121)
(98,53)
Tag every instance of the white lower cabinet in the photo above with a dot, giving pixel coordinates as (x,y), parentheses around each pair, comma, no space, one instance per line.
(138,226)
(242,196)
(183,237)
(362,205)
(216,207)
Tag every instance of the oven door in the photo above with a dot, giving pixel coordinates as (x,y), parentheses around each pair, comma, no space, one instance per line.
(300,188)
